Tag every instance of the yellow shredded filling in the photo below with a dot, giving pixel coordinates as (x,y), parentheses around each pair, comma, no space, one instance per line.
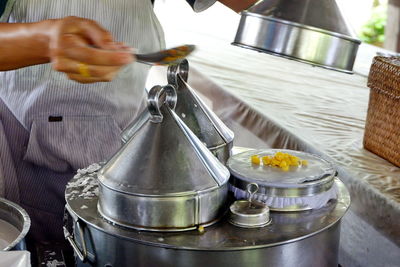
(255,160)
(279,159)
(200,229)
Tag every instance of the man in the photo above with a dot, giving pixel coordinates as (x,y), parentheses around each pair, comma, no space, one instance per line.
(65,115)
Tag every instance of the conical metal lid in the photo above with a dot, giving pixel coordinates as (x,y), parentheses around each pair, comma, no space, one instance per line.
(164,178)
(322,14)
(310,31)
(163,156)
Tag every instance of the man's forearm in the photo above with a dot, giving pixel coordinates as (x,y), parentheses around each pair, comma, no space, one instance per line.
(238,5)
(24,44)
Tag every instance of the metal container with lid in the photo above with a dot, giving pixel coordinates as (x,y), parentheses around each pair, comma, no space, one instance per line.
(299,188)
(310,31)
(163,178)
(199,118)
(249,213)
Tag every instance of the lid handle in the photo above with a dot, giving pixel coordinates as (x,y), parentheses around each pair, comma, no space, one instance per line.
(252,189)
(157,97)
(181,69)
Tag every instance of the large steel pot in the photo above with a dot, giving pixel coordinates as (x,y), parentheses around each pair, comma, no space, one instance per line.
(14,215)
(308,238)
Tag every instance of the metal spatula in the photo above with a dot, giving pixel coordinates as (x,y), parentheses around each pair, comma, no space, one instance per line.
(166,57)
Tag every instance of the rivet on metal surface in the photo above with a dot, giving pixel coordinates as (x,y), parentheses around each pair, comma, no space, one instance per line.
(181,69)
(158,96)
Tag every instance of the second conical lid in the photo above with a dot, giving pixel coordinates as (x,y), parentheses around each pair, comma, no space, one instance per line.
(200,119)
(322,14)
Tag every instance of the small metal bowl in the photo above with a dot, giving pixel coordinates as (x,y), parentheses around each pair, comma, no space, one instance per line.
(249,213)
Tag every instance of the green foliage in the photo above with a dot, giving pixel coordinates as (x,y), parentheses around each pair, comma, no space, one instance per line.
(373,32)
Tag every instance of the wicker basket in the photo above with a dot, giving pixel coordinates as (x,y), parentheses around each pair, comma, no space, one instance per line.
(382,129)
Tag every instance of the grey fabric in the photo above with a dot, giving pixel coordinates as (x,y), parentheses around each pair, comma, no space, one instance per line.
(7,7)
(38,154)
(199,5)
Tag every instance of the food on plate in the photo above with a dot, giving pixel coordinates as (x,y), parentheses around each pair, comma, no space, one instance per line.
(280,159)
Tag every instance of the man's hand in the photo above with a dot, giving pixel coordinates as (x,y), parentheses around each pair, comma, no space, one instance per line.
(85,51)
(78,47)
(238,5)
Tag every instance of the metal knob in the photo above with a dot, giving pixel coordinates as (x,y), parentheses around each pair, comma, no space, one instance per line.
(157,97)
(181,69)
(252,189)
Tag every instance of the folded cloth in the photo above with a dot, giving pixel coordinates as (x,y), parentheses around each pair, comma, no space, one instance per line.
(313,202)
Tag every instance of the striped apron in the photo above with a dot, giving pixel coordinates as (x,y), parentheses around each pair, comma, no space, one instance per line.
(50,126)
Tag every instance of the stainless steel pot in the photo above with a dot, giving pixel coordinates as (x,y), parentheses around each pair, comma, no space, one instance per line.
(309,238)
(18,218)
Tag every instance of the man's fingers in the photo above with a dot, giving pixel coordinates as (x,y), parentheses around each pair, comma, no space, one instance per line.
(91,31)
(86,52)
(67,65)
(95,56)
(81,79)
(75,47)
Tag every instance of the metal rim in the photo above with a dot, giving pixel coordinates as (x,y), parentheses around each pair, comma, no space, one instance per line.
(26,225)
(178,194)
(304,190)
(250,226)
(149,229)
(312,63)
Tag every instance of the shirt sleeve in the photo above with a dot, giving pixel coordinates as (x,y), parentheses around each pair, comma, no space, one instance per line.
(200,5)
